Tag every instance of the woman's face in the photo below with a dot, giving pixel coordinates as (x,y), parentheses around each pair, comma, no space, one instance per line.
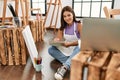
(68,17)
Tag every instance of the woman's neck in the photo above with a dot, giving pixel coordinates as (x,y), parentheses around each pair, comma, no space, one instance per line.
(70,24)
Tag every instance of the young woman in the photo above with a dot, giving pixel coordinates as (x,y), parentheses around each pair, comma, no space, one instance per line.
(70,31)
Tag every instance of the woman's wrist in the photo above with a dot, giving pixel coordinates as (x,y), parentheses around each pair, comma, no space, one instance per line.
(79,43)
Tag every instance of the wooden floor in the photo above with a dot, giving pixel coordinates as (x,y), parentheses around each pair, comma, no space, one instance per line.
(27,72)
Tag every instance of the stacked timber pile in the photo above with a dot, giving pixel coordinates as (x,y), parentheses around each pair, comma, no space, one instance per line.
(12,47)
(100,66)
(36,27)
(13,50)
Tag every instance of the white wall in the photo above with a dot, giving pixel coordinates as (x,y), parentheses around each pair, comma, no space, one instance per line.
(66,2)
(117,6)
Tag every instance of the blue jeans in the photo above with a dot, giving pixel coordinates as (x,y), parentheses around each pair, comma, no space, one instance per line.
(65,60)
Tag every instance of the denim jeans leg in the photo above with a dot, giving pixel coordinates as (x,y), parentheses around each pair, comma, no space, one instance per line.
(57,54)
(75,51)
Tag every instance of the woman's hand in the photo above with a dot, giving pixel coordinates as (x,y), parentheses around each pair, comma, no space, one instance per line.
(66,44)
(56,39)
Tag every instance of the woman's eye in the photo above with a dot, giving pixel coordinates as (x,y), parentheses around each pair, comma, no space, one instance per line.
(69,15)
(64,16)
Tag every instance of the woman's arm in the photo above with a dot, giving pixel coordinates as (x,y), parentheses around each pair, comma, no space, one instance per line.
(79,27)
(59,35)
(67,44)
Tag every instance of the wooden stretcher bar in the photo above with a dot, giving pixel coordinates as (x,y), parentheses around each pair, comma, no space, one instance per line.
(94,61)
(113,69)
(78,63)
(96,64)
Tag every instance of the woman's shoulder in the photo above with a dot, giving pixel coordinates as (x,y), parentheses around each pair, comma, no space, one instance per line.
(78,26)
(77,21)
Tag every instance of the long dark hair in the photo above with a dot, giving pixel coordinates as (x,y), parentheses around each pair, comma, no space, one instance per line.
(63,23)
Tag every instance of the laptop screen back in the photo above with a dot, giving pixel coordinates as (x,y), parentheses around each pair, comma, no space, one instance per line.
(100,34)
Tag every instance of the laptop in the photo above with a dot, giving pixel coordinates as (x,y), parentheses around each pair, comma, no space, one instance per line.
(100,34)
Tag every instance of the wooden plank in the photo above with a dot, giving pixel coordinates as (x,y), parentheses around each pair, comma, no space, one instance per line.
(113,70)
(78,63)
(37,30)
(76,70)
(99,58)
(2,49)
(4,11)
(7,21)
(23,12)
(9,47)
(36,27)
(56,18)
(22,48)
(114,62)
(93,73)
(6,18)
(16,6)
(42,30)
(112,74)
(35,9)
(32,27)
(27,2)
(95,65)
(34,31)
(16,48)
